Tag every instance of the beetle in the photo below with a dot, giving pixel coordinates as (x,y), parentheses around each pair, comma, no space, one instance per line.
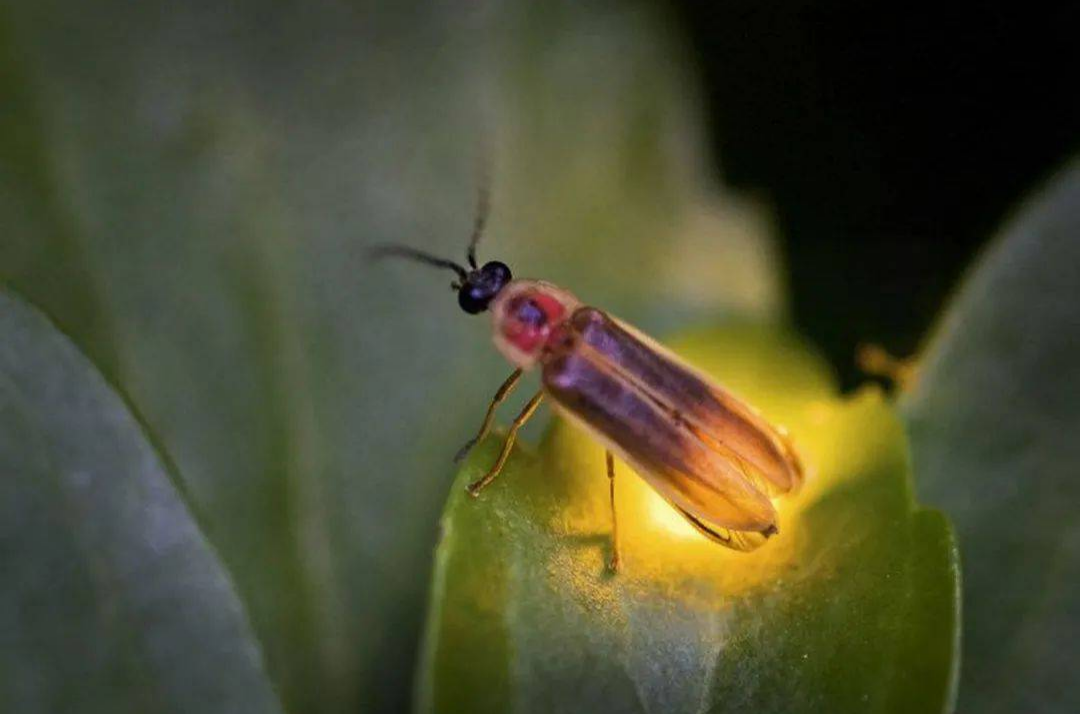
(711,456)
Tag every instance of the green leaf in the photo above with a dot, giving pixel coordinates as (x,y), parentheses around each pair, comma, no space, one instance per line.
(188,189)
(112,600)
(993,420)
(853,607)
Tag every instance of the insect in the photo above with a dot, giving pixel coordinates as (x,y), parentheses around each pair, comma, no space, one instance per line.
(712,457)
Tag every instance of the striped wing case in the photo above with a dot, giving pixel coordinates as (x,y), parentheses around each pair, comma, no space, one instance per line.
(707,453)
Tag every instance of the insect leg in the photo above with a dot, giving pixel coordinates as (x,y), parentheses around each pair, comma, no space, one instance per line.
(504,390)
(877,362)
(475,488)
(613,564)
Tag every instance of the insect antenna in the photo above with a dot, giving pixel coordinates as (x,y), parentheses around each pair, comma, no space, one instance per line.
(480,221)
(403,251)
(484,204)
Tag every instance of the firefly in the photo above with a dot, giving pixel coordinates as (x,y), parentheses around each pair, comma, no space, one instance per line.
(710,455)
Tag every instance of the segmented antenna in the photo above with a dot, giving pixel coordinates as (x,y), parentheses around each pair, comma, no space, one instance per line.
(480,221)
(404,251)
(484,201)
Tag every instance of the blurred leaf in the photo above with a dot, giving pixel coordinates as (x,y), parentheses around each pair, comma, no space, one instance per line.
(187,188)
(39,252)
(853,607)
(994,422)
(112,600)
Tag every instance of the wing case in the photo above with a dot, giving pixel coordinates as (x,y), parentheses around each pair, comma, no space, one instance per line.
(710,455)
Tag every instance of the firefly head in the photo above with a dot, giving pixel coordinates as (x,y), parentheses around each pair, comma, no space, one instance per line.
(481,285)
(476,286)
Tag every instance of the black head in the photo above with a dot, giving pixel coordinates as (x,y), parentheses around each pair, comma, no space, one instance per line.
(482,285)
(476,287)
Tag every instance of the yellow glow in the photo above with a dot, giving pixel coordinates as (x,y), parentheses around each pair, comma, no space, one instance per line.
(657,544)
(666,518)
(533,551)
(659,547)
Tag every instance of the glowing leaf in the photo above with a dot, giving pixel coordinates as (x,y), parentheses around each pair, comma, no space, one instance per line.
(852,607)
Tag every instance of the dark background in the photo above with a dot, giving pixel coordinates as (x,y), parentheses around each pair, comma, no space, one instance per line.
(919,128)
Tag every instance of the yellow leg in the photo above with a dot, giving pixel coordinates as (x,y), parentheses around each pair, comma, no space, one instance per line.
(877,362)
(613,564)
(475,488)
(498,399)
